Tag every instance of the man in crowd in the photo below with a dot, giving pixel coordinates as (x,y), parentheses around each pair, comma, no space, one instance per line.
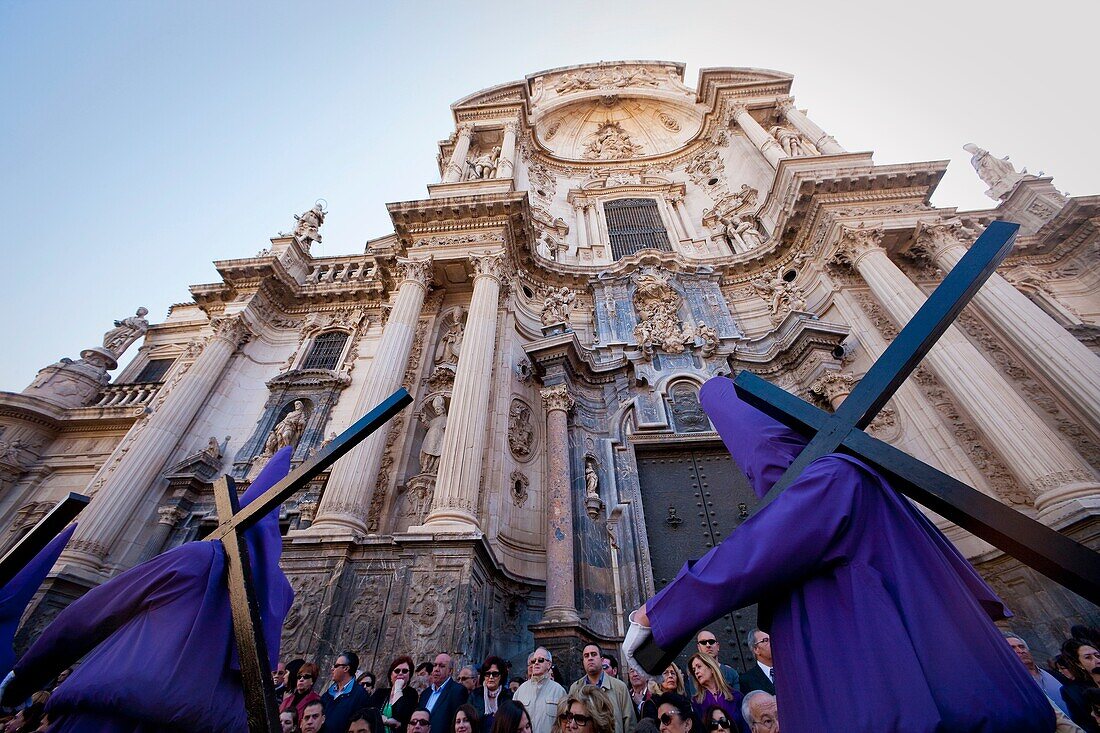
(313,717)
(623,706)
(1048,682)
(611,665)
(467,677)
(759,710)
(444,696)
(421,722)
(539,694)
(760,676)
(278,676)
(343,697)
(707,643)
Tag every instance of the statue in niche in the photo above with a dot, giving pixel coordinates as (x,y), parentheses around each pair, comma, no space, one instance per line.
(126,332)
(434,416)
(306,230)
(708,336)
(287,431)
(555,305)
(591,479)
(793,144)
(997,173)
(484,166)
(743,230)
(450,343)
(521,434)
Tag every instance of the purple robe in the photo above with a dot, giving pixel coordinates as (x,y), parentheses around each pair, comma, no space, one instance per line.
(161,655)
(877,623)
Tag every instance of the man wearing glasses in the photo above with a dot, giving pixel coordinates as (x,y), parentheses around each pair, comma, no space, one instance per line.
(444,696)
(343,698)
(540,694)
(707,643)
(761,676)
(760,712)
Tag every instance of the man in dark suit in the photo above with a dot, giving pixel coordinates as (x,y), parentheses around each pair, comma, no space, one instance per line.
(443,696)
(760,676)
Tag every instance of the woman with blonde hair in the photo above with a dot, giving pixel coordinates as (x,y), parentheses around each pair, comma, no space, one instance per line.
(672,680)
(587,710)
(711,688)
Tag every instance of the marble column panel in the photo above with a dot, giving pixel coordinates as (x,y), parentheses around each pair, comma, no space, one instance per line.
(507,162)
(560,598)
(581,211)
(593,224)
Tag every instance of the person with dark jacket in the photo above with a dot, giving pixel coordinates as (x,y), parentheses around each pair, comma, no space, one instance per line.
(397,702)
(302,693)
(491,692)
(444,696)
(344,697)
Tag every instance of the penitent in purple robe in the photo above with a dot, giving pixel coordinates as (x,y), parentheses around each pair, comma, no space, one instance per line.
(161,654)
(877,623)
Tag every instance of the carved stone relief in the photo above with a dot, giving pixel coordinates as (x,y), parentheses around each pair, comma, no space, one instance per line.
(687,413)
(521,431)
(519,484)
(656,303)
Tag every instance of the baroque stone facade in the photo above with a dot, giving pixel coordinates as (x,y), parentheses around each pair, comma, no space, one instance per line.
(603,239)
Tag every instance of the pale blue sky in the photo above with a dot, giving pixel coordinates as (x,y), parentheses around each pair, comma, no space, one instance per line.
(141,140)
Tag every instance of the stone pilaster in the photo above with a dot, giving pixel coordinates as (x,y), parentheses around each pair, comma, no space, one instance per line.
(135,465)
(457,164)
(1035,455)
(560,602)
(458,482)
(583,240)
(821,140)
(1047,348)
(593,223)
(507,162)
(764,142)
(347,495)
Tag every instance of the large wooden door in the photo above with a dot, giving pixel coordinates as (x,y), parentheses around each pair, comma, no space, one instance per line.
(693,498)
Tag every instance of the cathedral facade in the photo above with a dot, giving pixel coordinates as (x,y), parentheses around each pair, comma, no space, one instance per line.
(602,239)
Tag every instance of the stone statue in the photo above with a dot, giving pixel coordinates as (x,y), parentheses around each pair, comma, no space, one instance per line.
(791,142)
(778,291)
(484,166)
(547,247)
(450,343)
(555,306)
(998,173)
(213,449)
(287,431)
(708,336)
(743,231)
(435,416)
(126,332)
(657,302)
(591,480)
(308,224)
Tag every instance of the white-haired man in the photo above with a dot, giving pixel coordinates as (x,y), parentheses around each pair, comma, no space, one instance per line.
(540,694)
(1048,682)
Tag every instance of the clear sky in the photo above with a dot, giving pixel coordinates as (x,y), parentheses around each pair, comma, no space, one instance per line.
(141,140)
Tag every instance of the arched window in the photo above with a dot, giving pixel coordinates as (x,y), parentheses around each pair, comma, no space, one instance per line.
(326,350)
(633,225)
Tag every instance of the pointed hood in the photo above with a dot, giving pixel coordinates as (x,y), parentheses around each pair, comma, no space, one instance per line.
(762,447)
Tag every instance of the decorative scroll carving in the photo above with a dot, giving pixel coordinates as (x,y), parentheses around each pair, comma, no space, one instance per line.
(656,303)
(521,432)
(831,386)
(418,271)
(519,484)
(556,398)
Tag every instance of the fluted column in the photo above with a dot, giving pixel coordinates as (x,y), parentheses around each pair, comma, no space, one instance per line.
(560,601)
(347,495)
(458,482)
(1051,351)
(507,162)
(125,478)
(677,221)
(583,239)
(764,142)
(593,224)
(824,142)
(1035,455)
(457,163)
(170,515)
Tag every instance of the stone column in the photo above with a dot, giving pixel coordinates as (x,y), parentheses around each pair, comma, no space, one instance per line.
(834,387)
(821,140)
(593,224)
(458,482)
(764,142)
(170,515)
(457,164)
(582,227)
(1063,361)
(134,467)
(560,601)
(1035,455)
(507,162)
(347,495)
(685,219)
(677,220)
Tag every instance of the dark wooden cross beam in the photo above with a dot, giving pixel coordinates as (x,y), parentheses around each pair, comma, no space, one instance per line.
(259,690)
(1071,564)
(33,542)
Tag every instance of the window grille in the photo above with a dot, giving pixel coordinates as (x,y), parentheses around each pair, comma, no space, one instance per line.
(154,371)
(633,225)
(326,351)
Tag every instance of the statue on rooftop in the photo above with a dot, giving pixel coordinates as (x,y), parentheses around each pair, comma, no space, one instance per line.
(997,173)
(126,332)
(306,230)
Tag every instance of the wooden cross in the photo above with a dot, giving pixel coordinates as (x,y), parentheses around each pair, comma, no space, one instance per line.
(259,690)
(33,542)
(1061,559)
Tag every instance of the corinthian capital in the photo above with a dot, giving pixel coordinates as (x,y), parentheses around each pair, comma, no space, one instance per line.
(465,129)
(170,515)
(832,385)
(488,265)
(736,109)
(418,271)
(784,103)
(933,238)
(556,398)
(233,329)
(856,242)
(512,127)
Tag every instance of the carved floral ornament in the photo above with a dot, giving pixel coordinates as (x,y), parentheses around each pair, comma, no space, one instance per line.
(488,265)
(450,240)
(932,239)
(556,398)
(831,385)
(418,271)
(856,243)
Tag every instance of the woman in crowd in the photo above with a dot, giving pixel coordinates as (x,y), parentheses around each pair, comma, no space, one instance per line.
(366,681)
(672,680)
(488,696)
(588,710)
(466,720)
(366,720)
(675,714)
(511,717)
(716,720)
(288,721)
(397,702)
(1082,658)
(711,690)
(302,693)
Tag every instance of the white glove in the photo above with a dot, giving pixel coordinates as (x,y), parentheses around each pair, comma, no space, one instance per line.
(635,637)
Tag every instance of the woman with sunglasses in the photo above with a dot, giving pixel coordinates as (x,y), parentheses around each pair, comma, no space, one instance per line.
(302,693)
(488,696)
(588,710)
(711,689)
(716,721)
(675,714)
(397,702)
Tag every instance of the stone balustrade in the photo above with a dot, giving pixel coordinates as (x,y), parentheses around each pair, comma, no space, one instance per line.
(128,395)
(340,270)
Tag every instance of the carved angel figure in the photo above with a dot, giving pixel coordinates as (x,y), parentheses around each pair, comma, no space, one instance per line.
(997,173)
(555,306)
